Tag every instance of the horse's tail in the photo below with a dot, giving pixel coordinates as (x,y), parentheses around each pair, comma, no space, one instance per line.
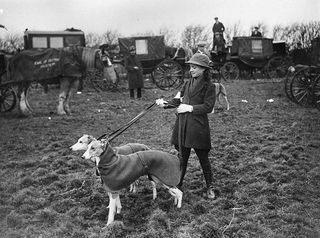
(89,57)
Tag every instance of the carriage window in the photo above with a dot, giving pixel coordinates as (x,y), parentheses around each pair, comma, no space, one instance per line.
(141,47)
(56,42)
(256,46)
(39,42)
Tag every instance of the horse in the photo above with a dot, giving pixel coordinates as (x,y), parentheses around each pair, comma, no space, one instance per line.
(64,66)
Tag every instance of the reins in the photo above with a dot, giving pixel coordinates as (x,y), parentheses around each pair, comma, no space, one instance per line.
(120,130)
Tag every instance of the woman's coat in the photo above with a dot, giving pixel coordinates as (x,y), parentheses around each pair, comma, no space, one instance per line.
(192,129)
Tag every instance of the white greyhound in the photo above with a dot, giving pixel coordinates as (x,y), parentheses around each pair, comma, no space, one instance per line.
(83,144)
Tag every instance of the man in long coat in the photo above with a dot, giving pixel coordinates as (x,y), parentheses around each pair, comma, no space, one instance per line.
(135,75)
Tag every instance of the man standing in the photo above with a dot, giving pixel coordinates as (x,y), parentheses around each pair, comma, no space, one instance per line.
(217,29)
(135,75)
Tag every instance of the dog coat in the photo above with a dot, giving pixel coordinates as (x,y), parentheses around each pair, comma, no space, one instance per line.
(130,148)
(119,171)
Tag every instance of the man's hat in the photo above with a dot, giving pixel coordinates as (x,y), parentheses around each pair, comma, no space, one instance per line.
(200,60)
(202,43)
(256,27)
(216,18)
(132,48)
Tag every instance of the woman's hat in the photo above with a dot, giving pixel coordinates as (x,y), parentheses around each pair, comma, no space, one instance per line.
(200,60)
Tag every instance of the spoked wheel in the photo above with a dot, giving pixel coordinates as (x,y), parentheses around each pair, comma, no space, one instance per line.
(230,71)
(277,67)
(99,82)
(287,83)
(8,99)
(316,92)
(168,74)
(301,87)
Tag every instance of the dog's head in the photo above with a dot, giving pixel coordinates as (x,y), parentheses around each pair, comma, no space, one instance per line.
(95,149)
(82,143)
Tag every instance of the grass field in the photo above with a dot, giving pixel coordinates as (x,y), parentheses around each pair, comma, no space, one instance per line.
(265,158)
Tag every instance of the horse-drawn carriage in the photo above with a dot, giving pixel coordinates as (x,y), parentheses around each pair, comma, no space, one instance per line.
(247,54)
(166,73)
(302,84)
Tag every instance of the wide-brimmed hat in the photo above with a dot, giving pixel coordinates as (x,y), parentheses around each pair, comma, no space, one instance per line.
(200,60)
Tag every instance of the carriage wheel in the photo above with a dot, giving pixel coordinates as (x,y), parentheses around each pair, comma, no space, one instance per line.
(230,71)
(8,99)
(301,87)
(277,67)
(287,83)
(99,82)
(168,74)
(316,92)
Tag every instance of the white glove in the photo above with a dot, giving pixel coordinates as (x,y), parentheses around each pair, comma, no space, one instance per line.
(136,67)
(160,102)
(184,108)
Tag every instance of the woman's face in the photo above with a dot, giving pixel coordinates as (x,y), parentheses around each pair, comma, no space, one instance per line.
(196,70)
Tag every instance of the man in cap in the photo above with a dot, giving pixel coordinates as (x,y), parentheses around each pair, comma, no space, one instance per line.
(202,48)
(256,32)
(135,73)
(217,29)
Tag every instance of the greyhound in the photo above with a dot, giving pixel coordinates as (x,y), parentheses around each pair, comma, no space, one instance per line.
(118,171)
(83,144)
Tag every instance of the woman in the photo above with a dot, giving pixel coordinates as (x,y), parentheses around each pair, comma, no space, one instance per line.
(134,68)
(191,129)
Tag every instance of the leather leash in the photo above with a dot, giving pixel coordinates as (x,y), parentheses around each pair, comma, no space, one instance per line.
(120,130)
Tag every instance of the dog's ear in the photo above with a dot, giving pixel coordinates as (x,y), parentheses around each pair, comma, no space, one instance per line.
(90,139)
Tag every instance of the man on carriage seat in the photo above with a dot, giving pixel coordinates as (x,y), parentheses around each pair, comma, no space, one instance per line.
(218,39)
(256,32)
(202,48)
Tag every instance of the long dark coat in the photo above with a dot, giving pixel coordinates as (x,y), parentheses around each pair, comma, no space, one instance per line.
(135,77)
(192,129)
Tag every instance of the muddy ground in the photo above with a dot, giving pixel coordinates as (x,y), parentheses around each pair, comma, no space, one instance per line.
(265,160)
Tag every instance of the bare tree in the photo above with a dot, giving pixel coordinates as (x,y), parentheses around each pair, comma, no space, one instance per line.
(233,31)
(110,37)
(193,34)
(297,32)
(12,43)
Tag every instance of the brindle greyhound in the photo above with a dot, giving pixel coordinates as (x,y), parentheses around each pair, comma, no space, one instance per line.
(118,171)
(85,140)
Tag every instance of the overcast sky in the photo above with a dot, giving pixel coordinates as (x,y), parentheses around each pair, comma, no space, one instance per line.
(131,17)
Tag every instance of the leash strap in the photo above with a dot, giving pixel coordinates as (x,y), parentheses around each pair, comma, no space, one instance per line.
(120,130)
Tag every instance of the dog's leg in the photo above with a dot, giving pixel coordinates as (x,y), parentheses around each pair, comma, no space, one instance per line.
(228,105)
(133,188)
(154,190)
(118,204)
(177,196)
(112,207)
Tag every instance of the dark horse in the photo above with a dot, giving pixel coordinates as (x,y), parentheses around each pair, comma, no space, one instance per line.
(51,66)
